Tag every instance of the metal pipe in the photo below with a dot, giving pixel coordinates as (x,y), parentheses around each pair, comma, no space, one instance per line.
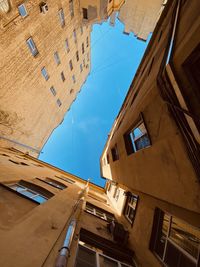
(64,252)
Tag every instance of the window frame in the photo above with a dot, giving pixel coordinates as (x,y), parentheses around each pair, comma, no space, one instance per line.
(62,76)
(96,211)
(57,58)
(115,153)
(156,231)
(128,206)
(22,6)
(53,90)
(130,140)
(32,47)
(53,183)
(59,103)
(45,73)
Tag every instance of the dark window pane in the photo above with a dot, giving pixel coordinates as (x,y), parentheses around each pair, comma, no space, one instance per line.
(142,142)
(85,257)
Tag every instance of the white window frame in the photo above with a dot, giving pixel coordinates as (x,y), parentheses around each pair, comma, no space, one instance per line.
(95,211)
(130,206)
(98,255)
(45,73)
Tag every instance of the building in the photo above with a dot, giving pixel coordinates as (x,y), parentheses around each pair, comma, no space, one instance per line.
(45,59)
(152,150)
(140,17)
(48,214)
(99,10)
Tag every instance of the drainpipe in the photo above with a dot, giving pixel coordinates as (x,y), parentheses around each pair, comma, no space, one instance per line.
(64,252)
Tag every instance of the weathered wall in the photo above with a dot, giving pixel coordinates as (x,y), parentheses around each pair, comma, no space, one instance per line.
(29,112)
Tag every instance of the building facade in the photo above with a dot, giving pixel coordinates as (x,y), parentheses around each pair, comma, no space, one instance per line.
(53,218)
(45,59)
(153,148)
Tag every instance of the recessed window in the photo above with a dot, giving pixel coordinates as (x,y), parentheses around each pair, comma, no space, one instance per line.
(61,17)
(137,138)
(130,207)
(28,192)
(81,67)
(70,65)
(88,57)
(74,35)
(13,161)
(175,242)
(59,103)
(53,183)
(65,179)
(57,58)
(114,152)
(71,8)
(32,46)
(67,45)
(44,73)
(53,91)
(22,10)
(87,41)
(77,56)
(83,49)
(116,193)
(85,13)
(73,78)
(62,76)
(71,91)
(81,29)
(92,209)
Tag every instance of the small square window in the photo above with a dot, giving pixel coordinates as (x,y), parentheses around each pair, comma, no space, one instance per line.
(57,58)
(85,13)
(53,91)
(44,73)
(62,76)
(22,10)
(59,103)
(61,17)
(87,41)
(32,46)
(70,65)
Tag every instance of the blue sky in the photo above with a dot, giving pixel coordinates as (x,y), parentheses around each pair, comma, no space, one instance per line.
(76,145)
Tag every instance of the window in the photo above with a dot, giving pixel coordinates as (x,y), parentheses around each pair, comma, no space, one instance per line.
(59,103)
(73,78)
(83,49)
(108,158)
(53,183)
(67,45)
(130,207)
(44,73)
(116,194)
(107,216)
(65,179)
(137,138)
(61,17)
(91,257)
(52,89)
(175,242)
(81,67)
(81,29)
(57,58)
(22,10)
(114,152)
(77,56)
(88,57)
(74,34)
(85,13)
(71,8)
(62,76)
(87,41)
(83,62)
(32,46)
(151,65)
(71,91)
(28,192)
(70,65)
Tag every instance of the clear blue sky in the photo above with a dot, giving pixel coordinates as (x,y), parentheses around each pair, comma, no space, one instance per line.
(76,145)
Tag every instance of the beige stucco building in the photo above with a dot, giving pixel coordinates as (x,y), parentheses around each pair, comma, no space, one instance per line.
(44,60)
(153,147)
